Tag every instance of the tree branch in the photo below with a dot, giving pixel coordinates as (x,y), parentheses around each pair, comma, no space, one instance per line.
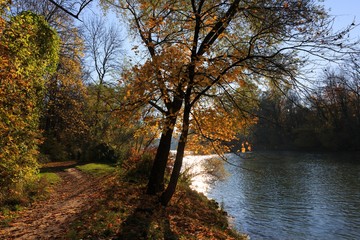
(74,15)
(219,28)
(157,107)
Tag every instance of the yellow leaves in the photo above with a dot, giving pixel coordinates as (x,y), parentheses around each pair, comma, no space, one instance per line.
(128,94)
(212,127)
(210,20)
(33,42)
(4,3)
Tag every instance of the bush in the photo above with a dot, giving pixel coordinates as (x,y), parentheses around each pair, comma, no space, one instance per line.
(138,166)
(24,194)
(29,50)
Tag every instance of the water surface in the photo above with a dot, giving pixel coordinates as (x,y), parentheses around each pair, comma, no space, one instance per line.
(286,195)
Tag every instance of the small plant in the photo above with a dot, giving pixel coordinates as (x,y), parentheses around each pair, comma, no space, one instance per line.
(51,178)
(24,195)
(6,215)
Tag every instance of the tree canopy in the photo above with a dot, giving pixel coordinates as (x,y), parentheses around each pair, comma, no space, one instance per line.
(201,68)
(199,52)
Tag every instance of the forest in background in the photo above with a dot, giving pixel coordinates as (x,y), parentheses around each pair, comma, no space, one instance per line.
(65,94)
(325,118)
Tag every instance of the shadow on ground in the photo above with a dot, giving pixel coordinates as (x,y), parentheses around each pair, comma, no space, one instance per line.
(149,220)
(124,212)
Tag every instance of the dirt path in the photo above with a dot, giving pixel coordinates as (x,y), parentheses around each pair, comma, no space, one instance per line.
(49,219)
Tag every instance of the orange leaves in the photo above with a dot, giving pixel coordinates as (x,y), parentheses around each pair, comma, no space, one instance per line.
(242,83)
(211,127)
(127,94)
(228,120)
(210,20)
(144,5)
(161,73)
(152,15)
(155,22)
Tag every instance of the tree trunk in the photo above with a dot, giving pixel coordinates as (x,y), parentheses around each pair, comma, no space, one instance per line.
(156,179)
(170,190)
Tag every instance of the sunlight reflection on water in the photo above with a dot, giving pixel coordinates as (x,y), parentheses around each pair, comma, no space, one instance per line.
(288,195)
(193,165)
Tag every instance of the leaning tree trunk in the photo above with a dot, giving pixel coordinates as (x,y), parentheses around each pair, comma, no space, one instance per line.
(170,190)
(157,174)
(156,178)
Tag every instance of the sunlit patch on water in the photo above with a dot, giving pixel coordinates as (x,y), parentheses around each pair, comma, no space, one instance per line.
(193,166)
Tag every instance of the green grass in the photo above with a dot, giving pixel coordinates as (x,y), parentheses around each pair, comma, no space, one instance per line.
(96,168)
(51,178)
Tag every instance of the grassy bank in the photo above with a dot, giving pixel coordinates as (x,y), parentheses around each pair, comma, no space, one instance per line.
(125,212)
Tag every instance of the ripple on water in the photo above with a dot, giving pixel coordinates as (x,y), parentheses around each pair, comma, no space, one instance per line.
(291,195)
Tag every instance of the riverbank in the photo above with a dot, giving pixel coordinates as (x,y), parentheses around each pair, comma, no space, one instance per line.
(87,205)
(125,212)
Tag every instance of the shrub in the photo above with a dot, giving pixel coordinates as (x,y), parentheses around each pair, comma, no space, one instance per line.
(138,165)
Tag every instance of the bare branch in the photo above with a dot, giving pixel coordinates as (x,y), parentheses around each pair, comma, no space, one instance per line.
(83,4)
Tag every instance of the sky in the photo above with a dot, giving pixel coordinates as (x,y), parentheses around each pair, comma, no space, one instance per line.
(345,12)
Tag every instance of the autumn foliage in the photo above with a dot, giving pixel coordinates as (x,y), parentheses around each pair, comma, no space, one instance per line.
(198,55)
(28,51)
(202,65)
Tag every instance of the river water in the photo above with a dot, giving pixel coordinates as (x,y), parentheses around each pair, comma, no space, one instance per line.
(286,195)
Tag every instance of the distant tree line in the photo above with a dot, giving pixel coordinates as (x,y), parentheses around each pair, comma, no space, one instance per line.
(325,119)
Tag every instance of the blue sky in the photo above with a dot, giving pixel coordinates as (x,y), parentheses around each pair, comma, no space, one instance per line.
(345,11)
(343,8)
